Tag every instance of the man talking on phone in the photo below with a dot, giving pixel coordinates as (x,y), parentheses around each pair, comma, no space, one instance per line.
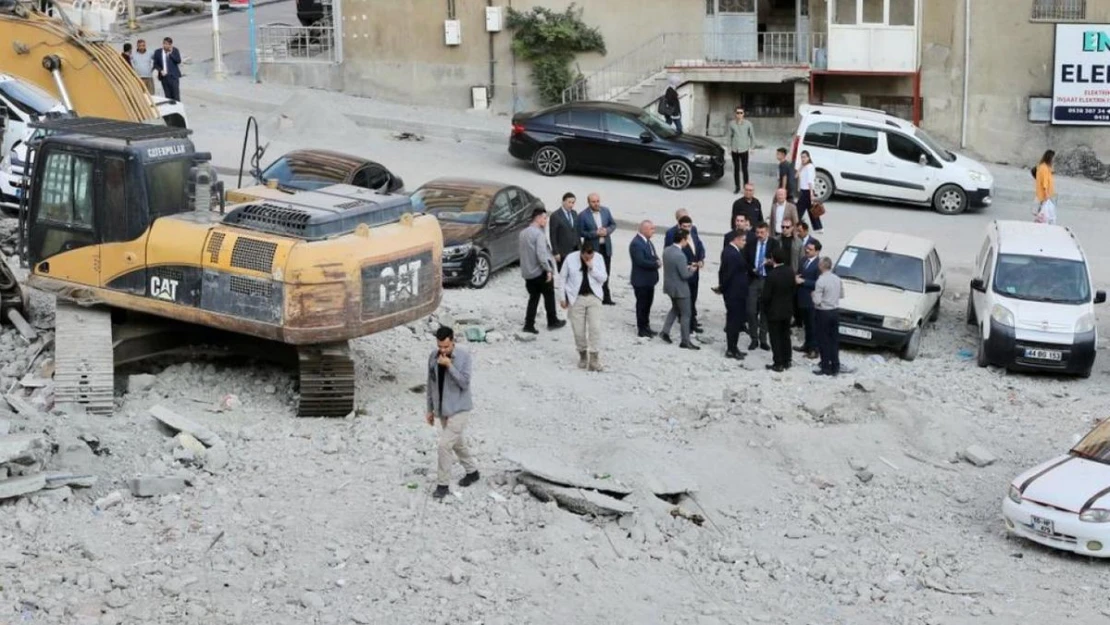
(448,392)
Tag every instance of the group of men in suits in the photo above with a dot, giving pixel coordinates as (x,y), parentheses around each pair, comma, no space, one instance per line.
(569,230)
(681,262)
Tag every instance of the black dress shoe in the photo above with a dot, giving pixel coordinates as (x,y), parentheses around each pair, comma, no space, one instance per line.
(689,346)
(666,337)
(441,492)
(754,345)
(775,368)
(801,349)
(608,302)
(765,347)
(558,324)
(698,330)
(531,330)
(645,334)
(469,479)
(735,354)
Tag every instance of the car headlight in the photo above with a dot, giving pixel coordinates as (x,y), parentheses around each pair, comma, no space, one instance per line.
(897,323)
(978,176)
(1014,494)
(1002,315)
(1095,515)
(457,250)
(1086,323)
(702,158)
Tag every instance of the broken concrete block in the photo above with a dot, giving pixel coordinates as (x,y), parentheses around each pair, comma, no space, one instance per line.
(58,480)
(978,456)
(578,500)
(108,500)
(525,337)
(22,448)
(155,486)
(140,383)
(552,470)
(190,442)
(18,486)
(179,423)
(669,483)
(215,458)
(21,405)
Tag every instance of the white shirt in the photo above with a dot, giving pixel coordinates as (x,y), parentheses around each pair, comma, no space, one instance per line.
(779,209)
(597,220)
(806,177)
(571,276)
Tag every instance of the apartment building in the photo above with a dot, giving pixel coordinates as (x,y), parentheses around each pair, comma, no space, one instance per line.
(908,57)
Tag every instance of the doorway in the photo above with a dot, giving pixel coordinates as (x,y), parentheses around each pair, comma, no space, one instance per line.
(731,31)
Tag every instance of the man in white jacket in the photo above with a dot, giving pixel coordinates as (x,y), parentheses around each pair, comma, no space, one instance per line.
(583,276)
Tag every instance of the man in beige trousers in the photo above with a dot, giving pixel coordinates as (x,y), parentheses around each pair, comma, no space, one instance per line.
(448,392)
(583,277)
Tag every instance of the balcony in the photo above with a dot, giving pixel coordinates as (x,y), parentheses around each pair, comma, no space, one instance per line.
(873,36)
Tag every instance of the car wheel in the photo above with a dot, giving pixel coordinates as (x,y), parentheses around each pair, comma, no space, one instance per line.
(549,161)
(950,200)
(823,187)
(933,316)
(981,357)
(479,276)
(913,346)
(676,175)
(970,310)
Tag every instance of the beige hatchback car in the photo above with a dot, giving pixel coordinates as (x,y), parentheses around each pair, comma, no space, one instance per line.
(893,284)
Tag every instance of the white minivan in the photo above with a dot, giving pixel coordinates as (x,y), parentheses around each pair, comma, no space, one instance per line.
(867,153)
(1032,299)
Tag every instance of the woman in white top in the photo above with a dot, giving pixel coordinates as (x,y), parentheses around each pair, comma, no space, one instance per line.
(806,175)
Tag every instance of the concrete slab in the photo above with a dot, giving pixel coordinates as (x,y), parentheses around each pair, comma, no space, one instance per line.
(20,447)
(179,423)
(17,486)
(669,482)
(553,470)
(578,500)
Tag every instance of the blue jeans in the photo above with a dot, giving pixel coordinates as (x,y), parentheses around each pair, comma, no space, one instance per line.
(677,121)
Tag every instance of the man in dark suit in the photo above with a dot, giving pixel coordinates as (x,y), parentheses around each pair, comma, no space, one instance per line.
(733,276)
(166,62)
(808,272)
(778,304)
(695,253)
(645,275)
(749,206)
(759,260)
(596,227)
(562,228)
(676,285)
(802,238)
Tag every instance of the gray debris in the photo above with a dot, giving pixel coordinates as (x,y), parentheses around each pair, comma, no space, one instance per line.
(21,448)
(578,500)
(819,405)
(457,576)
(108,500)
(21,324)
(155,486)
(525,337)
(5,427)
(865,476)
(140,383)
(215,458)
(179,423)
(978,456)
(552,470)
(478,557)
(312,601)
(17,486)
(58,480)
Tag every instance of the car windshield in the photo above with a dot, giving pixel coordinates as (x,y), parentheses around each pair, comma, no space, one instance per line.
(1096,444)
(464,206)
(301,175)
(1041,279)
(28,98)
(882,268)
(924,137)
(657,125)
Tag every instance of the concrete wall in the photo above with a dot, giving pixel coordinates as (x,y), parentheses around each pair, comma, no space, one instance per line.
(394,49)
(1011,60)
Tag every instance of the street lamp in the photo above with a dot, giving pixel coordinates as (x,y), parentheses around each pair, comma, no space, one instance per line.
(217,54)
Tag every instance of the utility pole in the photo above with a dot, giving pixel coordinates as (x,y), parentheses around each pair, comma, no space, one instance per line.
(132,22)
(217,54)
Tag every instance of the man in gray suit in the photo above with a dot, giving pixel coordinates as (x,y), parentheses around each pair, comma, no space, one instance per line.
(676,271)
(448,392)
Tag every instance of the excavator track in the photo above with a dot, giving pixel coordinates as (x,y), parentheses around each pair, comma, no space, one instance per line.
(327,381)
(84,371)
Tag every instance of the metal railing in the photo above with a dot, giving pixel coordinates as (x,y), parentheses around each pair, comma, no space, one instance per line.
(1059,10)
(688,50)
(282,43)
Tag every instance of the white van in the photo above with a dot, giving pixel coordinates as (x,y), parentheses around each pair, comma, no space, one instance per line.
(867,153)
(23,104)
(1032,299)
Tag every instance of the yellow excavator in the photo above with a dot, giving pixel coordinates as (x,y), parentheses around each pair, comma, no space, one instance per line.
(119,221)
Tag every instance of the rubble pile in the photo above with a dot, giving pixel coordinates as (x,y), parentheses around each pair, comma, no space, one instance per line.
(1081,161)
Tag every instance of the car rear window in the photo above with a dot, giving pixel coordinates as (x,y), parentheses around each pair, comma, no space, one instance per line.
(824,134)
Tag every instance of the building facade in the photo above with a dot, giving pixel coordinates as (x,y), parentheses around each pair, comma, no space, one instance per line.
(908,57)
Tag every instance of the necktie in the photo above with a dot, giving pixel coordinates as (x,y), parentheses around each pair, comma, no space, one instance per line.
(652,246)
(759,259)
(570,220)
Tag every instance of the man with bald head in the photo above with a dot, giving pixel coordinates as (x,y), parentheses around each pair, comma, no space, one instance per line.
(781,210)
(645,275)
(596,226)
(695,255)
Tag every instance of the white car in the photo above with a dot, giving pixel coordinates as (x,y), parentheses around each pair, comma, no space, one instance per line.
(867,153)
(892,285)
(1033,300)
(1065,503)
(11,177)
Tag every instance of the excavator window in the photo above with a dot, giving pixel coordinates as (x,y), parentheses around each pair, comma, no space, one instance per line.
(114,206)
(166,186)
(65,219)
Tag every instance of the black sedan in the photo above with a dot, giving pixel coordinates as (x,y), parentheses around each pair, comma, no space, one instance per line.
(614,138)
(309,170)
(481,222)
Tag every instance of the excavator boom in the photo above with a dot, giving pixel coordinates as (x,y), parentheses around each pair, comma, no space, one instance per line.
(87,75)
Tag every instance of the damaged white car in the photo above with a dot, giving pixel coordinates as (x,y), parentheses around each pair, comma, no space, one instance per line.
(1065,503)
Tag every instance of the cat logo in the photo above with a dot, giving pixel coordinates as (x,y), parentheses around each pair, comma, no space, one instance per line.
(163,288)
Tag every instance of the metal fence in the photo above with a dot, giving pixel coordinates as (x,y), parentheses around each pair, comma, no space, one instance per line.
(282,43)
(1059,10)
(727,50)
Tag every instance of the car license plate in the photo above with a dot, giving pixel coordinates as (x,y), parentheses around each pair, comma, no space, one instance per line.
(1044,354)
(856,332)
(1042,525)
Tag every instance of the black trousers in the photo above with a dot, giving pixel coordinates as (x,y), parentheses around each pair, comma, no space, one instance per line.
(645,296)
(827,332)
(606,253)
(736,314)
(537,287)
(809,319)
(740,162)
(693,282)
(779,334)
(171,87)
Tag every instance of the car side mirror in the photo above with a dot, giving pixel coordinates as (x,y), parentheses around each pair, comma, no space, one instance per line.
(977,284)
(922,160)
(932,288)
(645,137)
(1100,297)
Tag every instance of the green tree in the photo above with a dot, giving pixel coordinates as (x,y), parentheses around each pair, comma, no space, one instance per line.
(549,41)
